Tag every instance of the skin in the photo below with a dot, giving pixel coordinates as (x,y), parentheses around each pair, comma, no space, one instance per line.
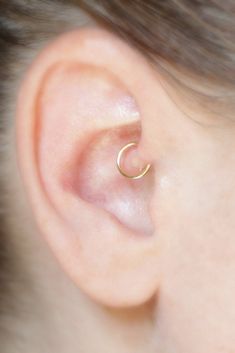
(158,277)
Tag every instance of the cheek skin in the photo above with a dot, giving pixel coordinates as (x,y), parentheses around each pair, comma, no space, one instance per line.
(196,311)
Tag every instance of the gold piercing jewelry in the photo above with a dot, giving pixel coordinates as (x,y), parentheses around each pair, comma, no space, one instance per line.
(142,173)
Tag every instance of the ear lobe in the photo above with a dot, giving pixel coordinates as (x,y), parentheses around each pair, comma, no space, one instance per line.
(97,222)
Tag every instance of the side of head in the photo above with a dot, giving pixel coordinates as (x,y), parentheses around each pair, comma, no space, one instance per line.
(84,94)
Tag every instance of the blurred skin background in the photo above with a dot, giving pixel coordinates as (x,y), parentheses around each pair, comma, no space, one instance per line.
(91,261)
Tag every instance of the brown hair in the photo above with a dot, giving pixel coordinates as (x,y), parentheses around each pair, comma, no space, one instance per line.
(185,38)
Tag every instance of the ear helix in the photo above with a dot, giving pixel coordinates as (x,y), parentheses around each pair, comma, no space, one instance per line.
(120,157)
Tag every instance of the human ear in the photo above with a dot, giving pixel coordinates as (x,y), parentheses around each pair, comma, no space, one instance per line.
(79,104)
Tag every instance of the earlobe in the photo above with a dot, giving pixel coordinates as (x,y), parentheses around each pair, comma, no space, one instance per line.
(97,222)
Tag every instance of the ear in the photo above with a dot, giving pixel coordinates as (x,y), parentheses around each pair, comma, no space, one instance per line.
(81,102)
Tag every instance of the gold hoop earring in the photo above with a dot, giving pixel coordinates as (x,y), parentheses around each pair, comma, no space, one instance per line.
(142,173)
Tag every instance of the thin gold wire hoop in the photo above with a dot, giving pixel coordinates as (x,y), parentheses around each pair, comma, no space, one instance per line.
(142,173)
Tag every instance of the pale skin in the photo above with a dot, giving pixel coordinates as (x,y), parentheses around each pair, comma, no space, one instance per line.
(121,265)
